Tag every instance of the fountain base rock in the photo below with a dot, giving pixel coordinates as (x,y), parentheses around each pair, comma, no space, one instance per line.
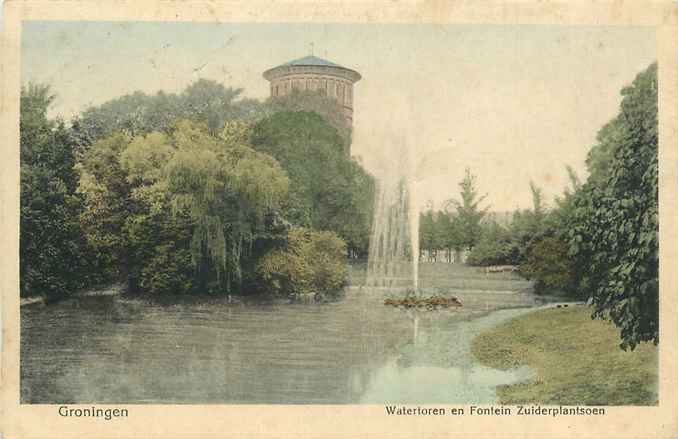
(430,303)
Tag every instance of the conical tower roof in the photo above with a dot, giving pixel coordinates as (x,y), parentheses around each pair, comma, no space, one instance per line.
(311,61)
(312,64)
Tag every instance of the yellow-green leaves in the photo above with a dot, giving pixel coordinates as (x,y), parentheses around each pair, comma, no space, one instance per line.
(312,262)
(222,185)
(236,132)
(145,157)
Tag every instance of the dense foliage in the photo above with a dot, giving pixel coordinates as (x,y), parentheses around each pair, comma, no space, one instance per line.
(614,227)
(178,201)
(316,102)
(311,263)
(169,194)
(497,246)
(548,263)
(203,101)
(328,190)
(53,257)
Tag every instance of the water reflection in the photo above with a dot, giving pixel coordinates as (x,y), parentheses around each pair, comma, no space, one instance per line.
(356,350)
(438,367)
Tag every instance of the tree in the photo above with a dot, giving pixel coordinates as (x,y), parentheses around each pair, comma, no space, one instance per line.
(428,235)
(328,190)
(314,101)
(209,102)
(601,155)
(538,208)
(107,202)
(226,189)
(557,222)
(450,233)
(495,247)
(52,254)
(468,212)
(34,127)
(179,210)
(204,101)
(613,233)
(201,170)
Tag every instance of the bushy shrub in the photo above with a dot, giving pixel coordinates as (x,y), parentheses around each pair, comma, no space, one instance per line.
(489,252)
(169,271)
(310,262)
(548,264)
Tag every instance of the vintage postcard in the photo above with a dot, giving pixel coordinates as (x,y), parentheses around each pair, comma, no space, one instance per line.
(337,220)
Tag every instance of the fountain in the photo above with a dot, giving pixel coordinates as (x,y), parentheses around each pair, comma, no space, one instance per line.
(393,259)
(394,243)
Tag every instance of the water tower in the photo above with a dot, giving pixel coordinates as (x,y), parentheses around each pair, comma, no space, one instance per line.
(313,73)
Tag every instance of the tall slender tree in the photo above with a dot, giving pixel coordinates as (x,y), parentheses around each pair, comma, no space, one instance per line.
(469,213)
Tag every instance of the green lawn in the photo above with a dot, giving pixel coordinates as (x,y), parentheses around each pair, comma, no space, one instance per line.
(577,360)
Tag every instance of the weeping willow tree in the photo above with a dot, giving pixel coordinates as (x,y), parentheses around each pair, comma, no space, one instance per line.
(218,185)
(227,188)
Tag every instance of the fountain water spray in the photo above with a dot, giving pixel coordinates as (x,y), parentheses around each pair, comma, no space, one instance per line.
(394,243)
(391,244)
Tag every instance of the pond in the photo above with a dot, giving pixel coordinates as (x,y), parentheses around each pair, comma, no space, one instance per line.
(112,349)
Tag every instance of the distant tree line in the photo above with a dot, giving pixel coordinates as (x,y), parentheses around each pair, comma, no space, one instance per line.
(195,192)
(598,242)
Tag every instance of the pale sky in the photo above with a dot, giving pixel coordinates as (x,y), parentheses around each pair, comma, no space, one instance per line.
(514,103)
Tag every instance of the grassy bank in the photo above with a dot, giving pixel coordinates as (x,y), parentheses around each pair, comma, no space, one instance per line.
(577,360)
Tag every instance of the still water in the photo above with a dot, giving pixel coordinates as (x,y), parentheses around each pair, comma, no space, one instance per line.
(110,349)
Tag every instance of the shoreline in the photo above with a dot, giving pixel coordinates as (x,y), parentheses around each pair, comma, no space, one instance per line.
(117,289)
(109,290)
